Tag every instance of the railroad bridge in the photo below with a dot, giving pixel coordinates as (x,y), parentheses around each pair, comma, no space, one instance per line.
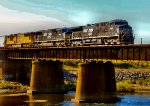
(96,79)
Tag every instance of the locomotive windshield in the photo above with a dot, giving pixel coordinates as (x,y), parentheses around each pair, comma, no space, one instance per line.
(119,22)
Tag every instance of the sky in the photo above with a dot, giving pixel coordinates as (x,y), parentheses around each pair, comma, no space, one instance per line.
(33,15)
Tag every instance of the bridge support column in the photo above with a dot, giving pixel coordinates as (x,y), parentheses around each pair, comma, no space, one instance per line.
(46,77)
(96,83)
(16,70)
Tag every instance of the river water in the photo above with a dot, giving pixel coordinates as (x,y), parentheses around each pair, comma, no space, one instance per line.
(65,100)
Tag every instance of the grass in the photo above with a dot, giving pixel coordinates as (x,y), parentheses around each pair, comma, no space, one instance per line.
(131,64)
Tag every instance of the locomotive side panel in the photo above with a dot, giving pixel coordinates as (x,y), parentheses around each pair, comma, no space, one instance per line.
(20,38)
(24,38)
(76,36)
(52,34)
(10,40)
(30,39)
(50,37)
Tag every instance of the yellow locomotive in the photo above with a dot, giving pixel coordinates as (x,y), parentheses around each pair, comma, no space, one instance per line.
(20,39)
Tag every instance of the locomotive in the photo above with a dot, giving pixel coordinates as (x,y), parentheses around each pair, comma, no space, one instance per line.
(114,32)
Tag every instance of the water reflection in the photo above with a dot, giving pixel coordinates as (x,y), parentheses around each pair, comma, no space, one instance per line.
(31,100)
(48,99)
(65,100)
(135,99)
(94,104)
(13,100)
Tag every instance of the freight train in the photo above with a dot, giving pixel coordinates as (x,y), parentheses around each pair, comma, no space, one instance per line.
(113,32)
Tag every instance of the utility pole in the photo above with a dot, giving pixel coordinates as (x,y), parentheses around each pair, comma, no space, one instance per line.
(141,41)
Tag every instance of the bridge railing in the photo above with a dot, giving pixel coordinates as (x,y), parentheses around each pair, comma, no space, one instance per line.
(125,52)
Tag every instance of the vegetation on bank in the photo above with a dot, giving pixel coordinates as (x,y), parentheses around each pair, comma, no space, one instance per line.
(70,86)
(71,65)
(125,85)
(139,85)
(130,86)
(12,87)
(132,65)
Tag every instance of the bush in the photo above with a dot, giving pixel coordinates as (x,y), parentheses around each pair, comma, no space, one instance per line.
(124,86)
(12,85)
(70,87)
(140,81)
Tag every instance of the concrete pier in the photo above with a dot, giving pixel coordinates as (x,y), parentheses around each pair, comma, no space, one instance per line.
(110,79)
(46,77)
(16,70)
(96,83)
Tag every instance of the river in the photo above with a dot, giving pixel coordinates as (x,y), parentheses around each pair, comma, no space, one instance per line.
(65,100)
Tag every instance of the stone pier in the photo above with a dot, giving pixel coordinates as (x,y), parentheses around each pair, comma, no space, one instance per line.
(96,83)
(16,70)
(46,77)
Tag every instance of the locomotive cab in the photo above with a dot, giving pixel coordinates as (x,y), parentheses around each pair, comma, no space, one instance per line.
(67,38)
(126,34)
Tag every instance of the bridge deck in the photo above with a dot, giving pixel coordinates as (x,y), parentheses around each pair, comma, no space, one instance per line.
(115,52)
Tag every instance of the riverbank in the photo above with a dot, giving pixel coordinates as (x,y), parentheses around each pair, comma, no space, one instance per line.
(9,87)
(126,81)
(141,85)
(133,80)
(130,77)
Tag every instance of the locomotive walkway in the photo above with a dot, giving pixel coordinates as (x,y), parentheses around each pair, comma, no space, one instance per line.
(96,79)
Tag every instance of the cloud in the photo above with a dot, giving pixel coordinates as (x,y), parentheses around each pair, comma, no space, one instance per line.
(12,16)
(55,13)
(12,21)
